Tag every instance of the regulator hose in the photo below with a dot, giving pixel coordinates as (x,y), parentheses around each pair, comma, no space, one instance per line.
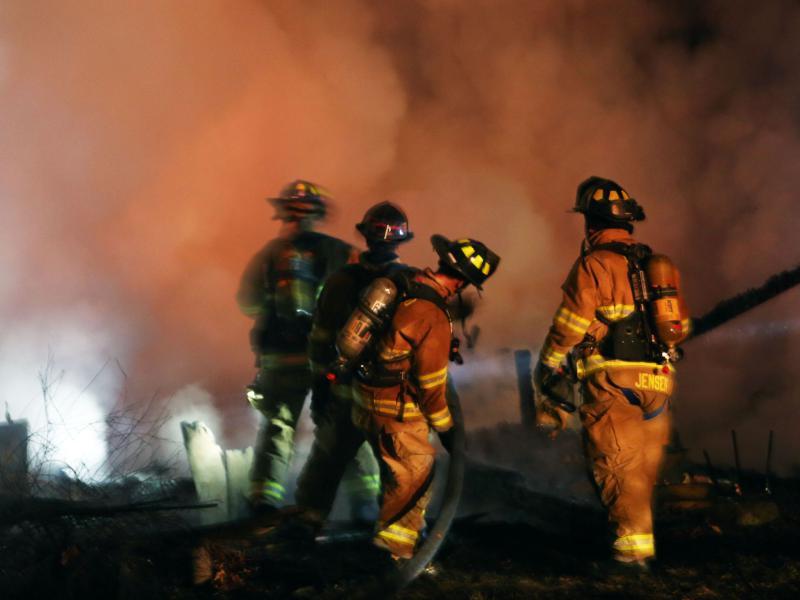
(395,581)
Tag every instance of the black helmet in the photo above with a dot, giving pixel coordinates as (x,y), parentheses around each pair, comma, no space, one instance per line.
(603,198)
(469,258)
(385,222)
(301,200)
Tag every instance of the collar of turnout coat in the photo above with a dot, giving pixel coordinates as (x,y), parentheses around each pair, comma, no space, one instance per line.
(605,236)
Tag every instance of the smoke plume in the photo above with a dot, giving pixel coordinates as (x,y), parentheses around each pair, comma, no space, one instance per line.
(139,141)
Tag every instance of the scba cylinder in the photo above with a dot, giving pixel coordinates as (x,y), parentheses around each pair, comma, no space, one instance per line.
(375,305)
(665,305)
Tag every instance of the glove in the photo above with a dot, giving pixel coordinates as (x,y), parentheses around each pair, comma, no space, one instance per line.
(551,418)
(447,438)
(554,394)
(254,392)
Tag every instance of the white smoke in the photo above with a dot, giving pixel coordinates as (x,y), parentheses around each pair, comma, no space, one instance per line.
(60,375)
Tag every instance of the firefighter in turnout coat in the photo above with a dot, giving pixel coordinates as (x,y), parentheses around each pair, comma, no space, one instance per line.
(401,396)
(339,452)
(278,289)
(626,386)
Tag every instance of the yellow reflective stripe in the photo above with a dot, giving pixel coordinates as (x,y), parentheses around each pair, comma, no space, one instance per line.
(432,380)
(434,384)
(572,321)
(399,529)
(445,412)
(396,538)
(371,482)
(251,310)
(434,375)
(441,418)
(273,489)
(614,312)
(390,354)
(594,363)
(552,357)
(388,408)
(443,422)
(468,251)
(635,543)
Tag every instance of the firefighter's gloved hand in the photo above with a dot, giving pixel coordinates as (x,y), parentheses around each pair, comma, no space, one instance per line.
(551,418)
(554,384)
(447,439)
(553,389)
(254,392)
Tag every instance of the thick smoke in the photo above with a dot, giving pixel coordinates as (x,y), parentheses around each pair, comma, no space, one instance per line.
(139,141)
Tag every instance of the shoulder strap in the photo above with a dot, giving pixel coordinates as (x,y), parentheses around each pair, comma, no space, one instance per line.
(425,292)
(633,252)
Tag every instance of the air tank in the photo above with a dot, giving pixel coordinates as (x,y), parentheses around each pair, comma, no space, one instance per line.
(376,304)
(664,302)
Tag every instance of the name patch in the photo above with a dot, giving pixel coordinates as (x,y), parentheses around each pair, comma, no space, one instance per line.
(653,383)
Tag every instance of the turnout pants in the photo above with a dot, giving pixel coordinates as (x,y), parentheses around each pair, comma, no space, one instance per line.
(284,382)
(406,459)
(625,415)
(339,453)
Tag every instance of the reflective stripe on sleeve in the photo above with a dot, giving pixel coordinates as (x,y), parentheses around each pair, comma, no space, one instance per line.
(441,419)
(251,310)
(571,320)
(551,357)
(432,380)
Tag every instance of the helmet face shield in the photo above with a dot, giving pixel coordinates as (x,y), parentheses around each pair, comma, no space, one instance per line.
(385,223)
(607,200)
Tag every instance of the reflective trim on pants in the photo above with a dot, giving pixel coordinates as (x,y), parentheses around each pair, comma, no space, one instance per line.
(398,535)
(635,546)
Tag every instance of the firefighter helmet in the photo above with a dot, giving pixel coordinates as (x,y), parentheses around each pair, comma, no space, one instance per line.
(385,222)
(301,200)
(606,199)
(470,258)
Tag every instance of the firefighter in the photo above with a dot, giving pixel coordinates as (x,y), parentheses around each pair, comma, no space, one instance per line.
(278,290)
(626,378)
(339,451)
(399,395)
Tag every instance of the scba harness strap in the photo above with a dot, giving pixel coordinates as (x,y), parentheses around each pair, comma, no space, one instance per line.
(373,374)
(630,338)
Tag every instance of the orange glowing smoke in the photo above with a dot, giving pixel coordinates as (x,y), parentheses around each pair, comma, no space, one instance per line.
(139,141)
